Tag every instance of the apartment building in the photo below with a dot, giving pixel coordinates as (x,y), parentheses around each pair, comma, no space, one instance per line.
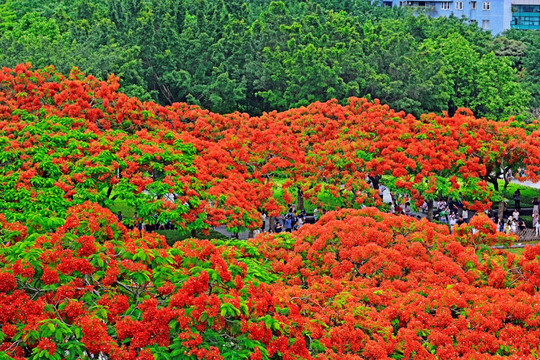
(493,15)
(525,14)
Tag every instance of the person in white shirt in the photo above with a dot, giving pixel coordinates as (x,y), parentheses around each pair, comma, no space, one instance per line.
(299,222)
(441,205)
(452,221)
(515,215)
(407,209)
(263,227)
(465,215)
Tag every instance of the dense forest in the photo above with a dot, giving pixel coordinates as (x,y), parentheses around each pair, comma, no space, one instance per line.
(263,55)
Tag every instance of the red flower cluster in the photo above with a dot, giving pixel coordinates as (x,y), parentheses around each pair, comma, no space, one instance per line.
(129,295)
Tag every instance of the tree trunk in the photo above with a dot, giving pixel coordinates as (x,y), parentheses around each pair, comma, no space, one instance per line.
(375,181)
(300,200)
(272,226)
(495,184)
(429,209)
(500,212)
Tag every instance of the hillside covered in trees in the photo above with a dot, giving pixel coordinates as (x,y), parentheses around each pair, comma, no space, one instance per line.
(260,56)
(77,282)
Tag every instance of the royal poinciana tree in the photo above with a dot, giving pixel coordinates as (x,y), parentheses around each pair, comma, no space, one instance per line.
(93,289)
(487,151)
(70,139)
(360,284)
(67,140)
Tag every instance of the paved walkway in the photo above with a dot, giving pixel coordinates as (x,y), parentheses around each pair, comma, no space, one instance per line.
(223,230)
(386,198)
(527,183)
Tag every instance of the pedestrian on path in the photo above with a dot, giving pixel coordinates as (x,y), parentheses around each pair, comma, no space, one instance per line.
(517,199)
(465,214)
(452,222)
(263,216)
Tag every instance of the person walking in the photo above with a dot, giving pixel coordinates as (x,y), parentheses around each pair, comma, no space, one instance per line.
(517,199)
(263,227)
(452,221)
(465,214)
(288,223)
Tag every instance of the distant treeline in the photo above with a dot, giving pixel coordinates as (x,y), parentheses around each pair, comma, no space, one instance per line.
(260,55)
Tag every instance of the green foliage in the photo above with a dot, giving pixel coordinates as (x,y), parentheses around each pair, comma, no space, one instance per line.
(526,59)
(264,55)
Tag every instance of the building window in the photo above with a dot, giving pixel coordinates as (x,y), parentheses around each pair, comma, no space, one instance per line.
(486,5)
(445,5)
(485,24)
(473,5)
(459,5)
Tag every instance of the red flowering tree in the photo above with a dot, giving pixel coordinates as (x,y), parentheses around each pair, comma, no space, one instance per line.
(72,139)
(362,284)
(92,288)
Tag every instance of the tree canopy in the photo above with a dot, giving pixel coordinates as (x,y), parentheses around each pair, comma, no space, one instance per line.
(67,140)
(260,56)
(359,284)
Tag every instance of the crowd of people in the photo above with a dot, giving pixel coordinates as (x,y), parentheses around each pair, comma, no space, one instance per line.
(448,211)
(453,212)
(515,224)
(138,223)
(292,220)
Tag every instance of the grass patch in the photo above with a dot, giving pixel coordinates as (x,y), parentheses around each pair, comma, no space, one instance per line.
(121,205)
(517,251)
(173,236)
(527,194)
(527,219)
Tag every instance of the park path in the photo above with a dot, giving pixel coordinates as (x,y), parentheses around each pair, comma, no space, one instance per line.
(386,198)
(527,183)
